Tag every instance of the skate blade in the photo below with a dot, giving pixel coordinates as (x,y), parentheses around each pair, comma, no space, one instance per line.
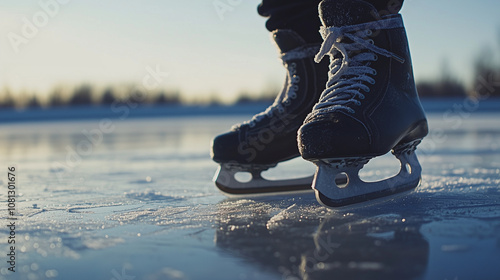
(339,185)
(226,182)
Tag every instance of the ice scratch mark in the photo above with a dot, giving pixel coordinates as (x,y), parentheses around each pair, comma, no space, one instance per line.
(151,195)
(36,213)
(75,209)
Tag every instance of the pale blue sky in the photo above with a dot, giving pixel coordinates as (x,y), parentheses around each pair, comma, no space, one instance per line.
(112,42)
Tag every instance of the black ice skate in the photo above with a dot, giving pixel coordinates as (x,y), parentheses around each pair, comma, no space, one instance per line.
(271,136)
(370,106)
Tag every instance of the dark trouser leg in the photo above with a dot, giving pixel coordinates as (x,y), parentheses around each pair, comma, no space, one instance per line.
(300,16)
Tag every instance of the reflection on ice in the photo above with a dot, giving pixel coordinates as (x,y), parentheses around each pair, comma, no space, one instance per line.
(307,242)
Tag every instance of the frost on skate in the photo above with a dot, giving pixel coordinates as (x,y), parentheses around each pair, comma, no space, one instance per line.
(370,105)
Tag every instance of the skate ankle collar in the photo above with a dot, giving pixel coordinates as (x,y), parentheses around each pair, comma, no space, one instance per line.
(331,36)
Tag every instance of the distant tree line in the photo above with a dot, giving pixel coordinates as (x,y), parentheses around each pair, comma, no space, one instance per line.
(86,95)
(486,81)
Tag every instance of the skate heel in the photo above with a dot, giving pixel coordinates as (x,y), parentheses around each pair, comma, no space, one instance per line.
(419,130)
(407,147)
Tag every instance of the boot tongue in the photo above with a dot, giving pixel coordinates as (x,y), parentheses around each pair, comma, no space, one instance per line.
(287,40)
(346,12)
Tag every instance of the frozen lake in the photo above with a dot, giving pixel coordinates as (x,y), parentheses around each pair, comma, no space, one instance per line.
(134,199)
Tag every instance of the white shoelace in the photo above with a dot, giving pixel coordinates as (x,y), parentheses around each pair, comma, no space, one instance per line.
(348,75)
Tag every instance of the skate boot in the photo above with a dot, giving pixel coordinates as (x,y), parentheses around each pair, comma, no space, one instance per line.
(270,137)
(369,107)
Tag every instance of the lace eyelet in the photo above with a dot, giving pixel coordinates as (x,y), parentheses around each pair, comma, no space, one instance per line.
(374,72)
(361,96)
(371,41)
(368,32)
(293,96)
(296,79)
(375,57)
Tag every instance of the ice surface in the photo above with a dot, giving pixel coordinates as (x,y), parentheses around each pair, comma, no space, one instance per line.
(139,203)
